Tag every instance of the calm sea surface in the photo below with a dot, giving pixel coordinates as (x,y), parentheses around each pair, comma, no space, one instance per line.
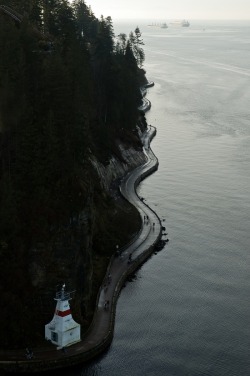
(188,311)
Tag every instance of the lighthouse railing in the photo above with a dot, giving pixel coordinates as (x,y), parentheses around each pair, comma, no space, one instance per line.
(62,295)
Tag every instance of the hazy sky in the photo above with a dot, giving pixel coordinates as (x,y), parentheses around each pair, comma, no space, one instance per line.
(171,9)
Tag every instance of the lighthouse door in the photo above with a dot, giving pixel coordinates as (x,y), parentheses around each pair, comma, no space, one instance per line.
(54,337)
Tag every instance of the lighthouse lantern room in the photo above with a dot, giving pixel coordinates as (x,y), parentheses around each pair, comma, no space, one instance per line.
(63,330)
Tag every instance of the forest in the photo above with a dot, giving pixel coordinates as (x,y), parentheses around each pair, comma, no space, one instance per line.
(69,89)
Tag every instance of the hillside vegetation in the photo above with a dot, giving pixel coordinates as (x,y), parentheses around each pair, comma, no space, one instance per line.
(69,93)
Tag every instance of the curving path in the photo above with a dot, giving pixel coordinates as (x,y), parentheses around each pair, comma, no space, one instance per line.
(100,334)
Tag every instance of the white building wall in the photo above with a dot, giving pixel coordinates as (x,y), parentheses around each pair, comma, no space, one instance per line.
(65,338)
(71,336)
(63,331)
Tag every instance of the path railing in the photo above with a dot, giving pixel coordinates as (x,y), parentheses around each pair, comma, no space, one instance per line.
(11,12)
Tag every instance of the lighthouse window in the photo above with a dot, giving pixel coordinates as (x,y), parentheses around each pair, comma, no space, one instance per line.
(54,337)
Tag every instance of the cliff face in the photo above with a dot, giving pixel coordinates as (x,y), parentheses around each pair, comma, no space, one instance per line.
(78,254)
(117,168)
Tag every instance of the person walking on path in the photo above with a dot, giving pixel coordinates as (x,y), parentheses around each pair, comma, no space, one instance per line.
(29,353)
(109,278)
(106,305)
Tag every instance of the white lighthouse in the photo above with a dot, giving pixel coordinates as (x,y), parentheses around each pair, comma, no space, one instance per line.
(63,330)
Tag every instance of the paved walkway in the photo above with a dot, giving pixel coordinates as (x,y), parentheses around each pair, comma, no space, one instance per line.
(100,334)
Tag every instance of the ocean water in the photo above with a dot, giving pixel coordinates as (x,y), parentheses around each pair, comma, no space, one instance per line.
(187,311)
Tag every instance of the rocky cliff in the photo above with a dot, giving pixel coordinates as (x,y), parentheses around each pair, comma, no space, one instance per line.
(78,253)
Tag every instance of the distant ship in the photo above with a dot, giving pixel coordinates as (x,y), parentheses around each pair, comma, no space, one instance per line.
(185,23)
(164,25)
(154,24)
(177,23)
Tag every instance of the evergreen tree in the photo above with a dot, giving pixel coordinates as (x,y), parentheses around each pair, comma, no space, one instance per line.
(121,44)
(136,42)
(84,18)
